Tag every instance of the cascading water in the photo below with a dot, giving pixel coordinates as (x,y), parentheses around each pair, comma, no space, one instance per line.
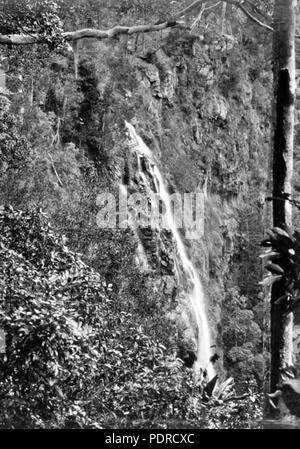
(195,291)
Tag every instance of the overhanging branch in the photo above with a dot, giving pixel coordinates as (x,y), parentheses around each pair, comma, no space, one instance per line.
(256,9)
(202,10)
(24,39)
(255,19)
(118,30)
(237,3)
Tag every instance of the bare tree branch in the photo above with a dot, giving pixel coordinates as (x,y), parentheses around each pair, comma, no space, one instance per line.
(202,10)
(224,8)
(198,18)
(254,19)
(198,3)
(238,3)
(55,171)
(207,8)
(256,9)
(23,39)
(189,8)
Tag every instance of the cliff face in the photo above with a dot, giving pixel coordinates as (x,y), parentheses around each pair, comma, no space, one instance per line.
(202,104)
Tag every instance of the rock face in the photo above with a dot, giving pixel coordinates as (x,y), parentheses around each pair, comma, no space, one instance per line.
(167,73)
(214,108)
(202,104)
(164,249)
(204,111)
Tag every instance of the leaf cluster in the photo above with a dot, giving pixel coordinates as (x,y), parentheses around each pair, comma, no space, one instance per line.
(32,17)
(282,260)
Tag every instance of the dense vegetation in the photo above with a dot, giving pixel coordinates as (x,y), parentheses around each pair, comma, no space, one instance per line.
(93,341)
(73,358)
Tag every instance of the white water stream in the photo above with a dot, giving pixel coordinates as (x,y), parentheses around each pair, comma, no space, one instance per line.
(195,293)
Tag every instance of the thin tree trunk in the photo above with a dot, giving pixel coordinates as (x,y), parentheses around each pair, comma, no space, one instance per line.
(31,91)
(284,110)
(223,25)
(76,57)
(136,44)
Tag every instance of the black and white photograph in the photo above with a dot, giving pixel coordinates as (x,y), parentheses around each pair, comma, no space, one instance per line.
(149,218)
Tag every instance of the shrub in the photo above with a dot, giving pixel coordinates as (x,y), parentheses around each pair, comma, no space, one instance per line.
(70,361)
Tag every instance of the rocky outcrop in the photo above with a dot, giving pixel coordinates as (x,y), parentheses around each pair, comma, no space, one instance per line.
(211,131)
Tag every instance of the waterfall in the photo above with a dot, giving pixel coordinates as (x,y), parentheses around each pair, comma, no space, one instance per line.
(194,293)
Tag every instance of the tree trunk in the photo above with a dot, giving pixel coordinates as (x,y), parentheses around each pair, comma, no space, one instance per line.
(223,24)
(284,110)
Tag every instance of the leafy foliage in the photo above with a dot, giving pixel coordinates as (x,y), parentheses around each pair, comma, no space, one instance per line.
(32,17)
(106,13)
(51,313)
(70,361)
(237,412)
(241,338)
(14,148)
(282,260)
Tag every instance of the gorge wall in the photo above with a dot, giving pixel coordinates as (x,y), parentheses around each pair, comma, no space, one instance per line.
(202,104)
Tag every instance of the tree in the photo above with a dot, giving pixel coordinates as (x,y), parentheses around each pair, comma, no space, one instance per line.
(284,104)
